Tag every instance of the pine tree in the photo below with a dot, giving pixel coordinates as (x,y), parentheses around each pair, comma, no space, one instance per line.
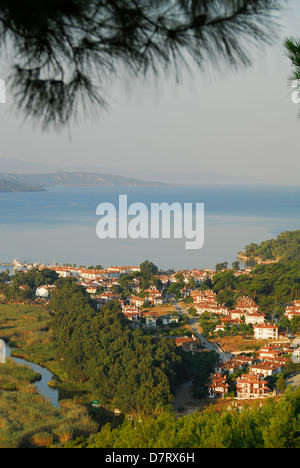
(64,50)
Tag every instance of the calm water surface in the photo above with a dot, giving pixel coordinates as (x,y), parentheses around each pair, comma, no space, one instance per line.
(42,386)
(59,225)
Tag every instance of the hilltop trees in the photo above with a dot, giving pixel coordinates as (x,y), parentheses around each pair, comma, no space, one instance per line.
(147,272)
(25,283)
(126,369)
(272,286)
(285,247)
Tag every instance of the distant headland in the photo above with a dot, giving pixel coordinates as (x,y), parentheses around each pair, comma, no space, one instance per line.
(36,182)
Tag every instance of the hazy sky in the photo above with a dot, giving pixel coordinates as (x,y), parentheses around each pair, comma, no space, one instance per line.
(242,124)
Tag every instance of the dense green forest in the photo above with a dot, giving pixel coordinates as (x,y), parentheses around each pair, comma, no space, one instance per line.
(285,247)
(126,369)
(275,424)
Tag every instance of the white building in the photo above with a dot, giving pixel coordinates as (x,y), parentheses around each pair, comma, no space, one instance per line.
(254,318)
(266,368)
(265,331)
(296,355)
(43,291)
(151,320)
(169,318)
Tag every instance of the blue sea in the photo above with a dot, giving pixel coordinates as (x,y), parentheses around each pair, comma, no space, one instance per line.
(59,224)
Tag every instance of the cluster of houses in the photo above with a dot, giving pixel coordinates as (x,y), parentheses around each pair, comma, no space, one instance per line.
(246,310)
(269,360)
(99,283)
(104,279)
(206,301)
(136,315)
(293,310)
(90,279)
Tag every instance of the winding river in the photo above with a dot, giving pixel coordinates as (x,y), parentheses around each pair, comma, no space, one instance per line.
(49,393)
(53,395)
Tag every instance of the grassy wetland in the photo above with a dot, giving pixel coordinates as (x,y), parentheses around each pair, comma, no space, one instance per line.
(26,418)
(26,329)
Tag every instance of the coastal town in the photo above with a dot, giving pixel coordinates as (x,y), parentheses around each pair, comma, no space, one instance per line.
(176,305)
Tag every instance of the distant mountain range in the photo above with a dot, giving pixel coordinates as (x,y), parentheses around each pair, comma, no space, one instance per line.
(32,175)
(75,179)
(35,173)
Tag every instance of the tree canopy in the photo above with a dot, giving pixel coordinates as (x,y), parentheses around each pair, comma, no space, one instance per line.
(273,425)
(126,369)
(23,285)
(285,247)
(271,286)
(64,51)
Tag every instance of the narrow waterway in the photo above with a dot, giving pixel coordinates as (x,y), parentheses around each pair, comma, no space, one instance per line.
(54,395)
(49,393)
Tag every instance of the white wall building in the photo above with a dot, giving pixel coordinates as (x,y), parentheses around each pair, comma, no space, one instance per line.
(265,331)
(254,318)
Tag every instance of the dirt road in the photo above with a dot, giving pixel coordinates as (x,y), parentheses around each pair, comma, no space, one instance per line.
(294,381)
(184,403)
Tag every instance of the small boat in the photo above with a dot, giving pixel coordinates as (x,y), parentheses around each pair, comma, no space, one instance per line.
(95,404)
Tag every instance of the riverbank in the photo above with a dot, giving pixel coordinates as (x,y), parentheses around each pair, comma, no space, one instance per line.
(33,413)
(44,377)
(27,420)
(25,328)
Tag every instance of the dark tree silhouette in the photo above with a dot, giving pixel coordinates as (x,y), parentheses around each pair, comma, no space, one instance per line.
(64,50)
(292,51)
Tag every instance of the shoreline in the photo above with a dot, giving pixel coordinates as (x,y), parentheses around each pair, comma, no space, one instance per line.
(258,260)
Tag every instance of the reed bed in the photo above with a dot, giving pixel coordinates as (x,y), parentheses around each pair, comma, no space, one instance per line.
(26,419)
(16,378)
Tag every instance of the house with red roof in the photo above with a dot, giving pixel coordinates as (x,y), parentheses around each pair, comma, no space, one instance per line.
(250,386)
(188,344)
(265,331)
(217,386)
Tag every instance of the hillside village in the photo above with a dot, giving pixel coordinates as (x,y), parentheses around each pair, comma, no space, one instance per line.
(160,312)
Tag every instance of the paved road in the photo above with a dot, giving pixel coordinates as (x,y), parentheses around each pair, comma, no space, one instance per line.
(194,323)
